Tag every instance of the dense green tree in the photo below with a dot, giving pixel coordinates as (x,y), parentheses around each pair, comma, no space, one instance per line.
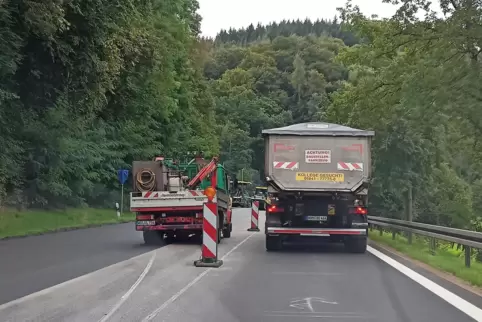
(267,84)
(87,87)
(412,81)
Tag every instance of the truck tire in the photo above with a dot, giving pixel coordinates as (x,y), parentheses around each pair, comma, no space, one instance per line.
(357,245)
(273,243)
(154,238)
(227,231)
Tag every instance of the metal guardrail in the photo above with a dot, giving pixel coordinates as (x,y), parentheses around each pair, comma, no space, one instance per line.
(470,239)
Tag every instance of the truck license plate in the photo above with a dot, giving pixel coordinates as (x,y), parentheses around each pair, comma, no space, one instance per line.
(316,218)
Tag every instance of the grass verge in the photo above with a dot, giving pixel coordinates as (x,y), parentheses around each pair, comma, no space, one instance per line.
(34,222)
(446,258)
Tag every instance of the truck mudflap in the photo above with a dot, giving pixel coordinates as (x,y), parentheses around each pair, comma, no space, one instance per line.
(170,227)
(320,232)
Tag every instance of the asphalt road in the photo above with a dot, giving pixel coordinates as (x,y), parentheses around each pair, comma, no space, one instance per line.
(34,263)
(299,284)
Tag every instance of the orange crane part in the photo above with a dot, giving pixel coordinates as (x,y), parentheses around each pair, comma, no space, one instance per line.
(205,171)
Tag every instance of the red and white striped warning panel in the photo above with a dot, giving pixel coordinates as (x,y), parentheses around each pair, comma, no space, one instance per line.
(150,194)
(254,214)
(197,193)
(286,165)
(210,230)
(349,166)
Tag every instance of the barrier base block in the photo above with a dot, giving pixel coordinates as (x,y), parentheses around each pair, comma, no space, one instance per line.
(208,262)
(253,229)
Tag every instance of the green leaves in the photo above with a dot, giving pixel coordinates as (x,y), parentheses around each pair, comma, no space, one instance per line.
(86,87)
(266,85)
(412,82)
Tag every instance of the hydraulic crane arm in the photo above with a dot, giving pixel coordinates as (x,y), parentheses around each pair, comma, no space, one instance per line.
(205,171)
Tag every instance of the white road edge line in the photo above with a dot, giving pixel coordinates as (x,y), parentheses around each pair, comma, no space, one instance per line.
(68,282)
(131,290)
(466,307)
(192,283)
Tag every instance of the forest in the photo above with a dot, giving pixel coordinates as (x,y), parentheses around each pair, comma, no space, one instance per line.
(86,88)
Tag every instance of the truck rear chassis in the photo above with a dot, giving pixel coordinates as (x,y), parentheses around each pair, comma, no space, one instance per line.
(322,217)
(160,228)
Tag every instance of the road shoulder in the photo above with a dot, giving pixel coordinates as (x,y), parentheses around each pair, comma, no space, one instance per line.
(450,282)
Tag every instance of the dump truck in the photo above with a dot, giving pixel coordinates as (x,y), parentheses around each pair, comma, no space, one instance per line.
(318,176)
(168,198)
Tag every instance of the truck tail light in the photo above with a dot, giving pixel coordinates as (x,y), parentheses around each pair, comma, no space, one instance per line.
(145,217)
(274,208)
(359,211)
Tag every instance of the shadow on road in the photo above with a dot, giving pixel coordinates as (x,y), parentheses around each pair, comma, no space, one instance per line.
(313,247)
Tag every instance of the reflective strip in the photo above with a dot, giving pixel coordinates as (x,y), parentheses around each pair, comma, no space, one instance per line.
(349,166)
(316,231)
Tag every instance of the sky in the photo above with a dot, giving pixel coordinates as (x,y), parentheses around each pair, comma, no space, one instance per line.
(223,14)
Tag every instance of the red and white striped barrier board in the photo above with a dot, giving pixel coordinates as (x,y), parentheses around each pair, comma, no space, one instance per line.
(254,216)
(197,193)
(150,194)
(349,166)
(286,165)
(209,252)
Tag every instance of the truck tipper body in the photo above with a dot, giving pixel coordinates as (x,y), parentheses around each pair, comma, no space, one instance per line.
(168,198)
(318,177)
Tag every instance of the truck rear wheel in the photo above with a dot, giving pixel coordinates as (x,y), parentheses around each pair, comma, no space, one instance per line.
(356,245)
(154,238)
(273,243)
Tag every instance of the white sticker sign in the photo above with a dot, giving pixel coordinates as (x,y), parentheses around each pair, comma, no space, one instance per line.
(318,156)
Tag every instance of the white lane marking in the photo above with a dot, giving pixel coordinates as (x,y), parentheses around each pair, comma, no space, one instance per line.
(307,273)
(131,290)
(188,286)
(468,308)
(69,282)
(318,315)
(310,313)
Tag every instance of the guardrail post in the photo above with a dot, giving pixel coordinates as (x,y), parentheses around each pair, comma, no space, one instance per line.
(394,234)
(468,253)
(381,230)
(432,245)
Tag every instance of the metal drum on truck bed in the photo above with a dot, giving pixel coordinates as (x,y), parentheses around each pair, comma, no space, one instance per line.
(317,157)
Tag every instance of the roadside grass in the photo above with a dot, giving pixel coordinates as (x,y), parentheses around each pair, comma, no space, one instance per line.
(447,258)
(33,222)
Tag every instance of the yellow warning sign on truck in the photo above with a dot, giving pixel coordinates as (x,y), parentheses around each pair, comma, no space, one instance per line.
(320,176)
